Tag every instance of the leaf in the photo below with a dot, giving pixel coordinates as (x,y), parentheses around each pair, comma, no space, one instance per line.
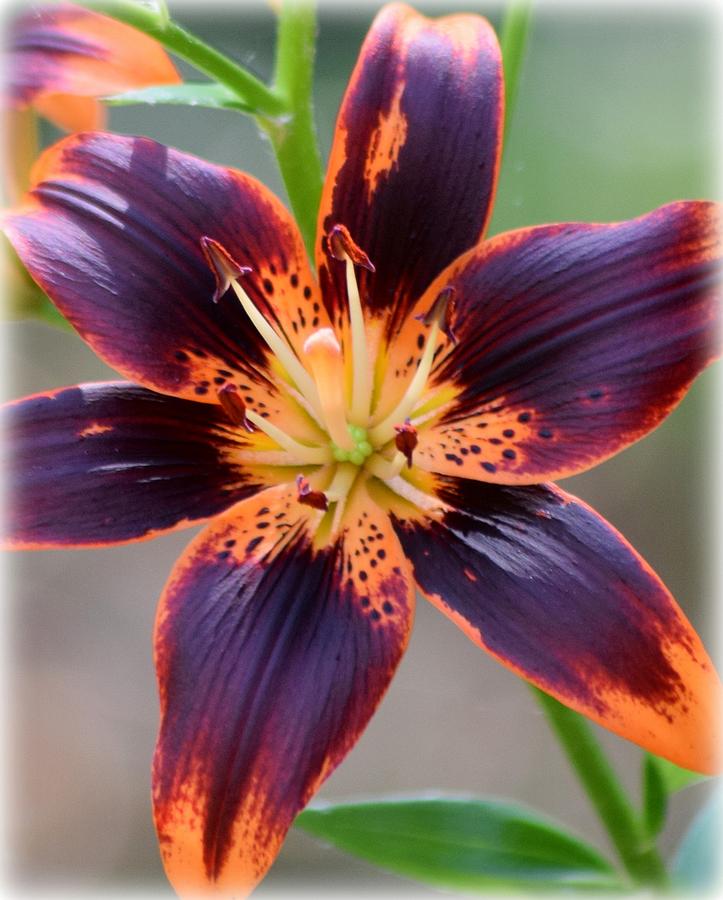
(208,94)
(674,778)
(462,844)
(698,861)
(655,796)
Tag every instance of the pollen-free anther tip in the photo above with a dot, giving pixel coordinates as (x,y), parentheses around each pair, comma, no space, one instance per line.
(224,267)
(342,246)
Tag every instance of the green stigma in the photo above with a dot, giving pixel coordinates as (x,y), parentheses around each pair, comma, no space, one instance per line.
(362,447)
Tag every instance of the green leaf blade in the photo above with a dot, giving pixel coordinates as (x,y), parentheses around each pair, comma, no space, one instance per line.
(470,845)
(209,95)
(673,777)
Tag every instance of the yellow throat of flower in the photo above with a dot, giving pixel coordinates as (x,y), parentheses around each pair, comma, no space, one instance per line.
(358,443)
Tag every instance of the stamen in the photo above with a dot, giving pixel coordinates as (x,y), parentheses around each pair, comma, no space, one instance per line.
(342,247)
(302,453)
(227,271)
(323,353)
(384,468)
(406,440)
(437,316)
(317,499)
(338,491)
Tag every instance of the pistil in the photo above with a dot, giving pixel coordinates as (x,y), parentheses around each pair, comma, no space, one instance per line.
(323,354)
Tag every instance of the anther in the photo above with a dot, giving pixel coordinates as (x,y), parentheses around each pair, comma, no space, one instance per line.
(224,267)
(341,245)
(307,496)
(441,312)
(234,406)
(406,440)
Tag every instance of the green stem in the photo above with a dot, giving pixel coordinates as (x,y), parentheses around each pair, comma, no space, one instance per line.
(294,138)
(641,860)
(246,86)
(513,41)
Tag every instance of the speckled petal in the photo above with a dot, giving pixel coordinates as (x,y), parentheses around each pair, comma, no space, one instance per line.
(272,654)
(416,150)
(103,464)
(551,590)
(573,342)
(112,229)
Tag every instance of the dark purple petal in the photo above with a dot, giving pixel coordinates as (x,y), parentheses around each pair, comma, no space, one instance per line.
(416,150)
(112,231)
(106,463)
(543,583)
(271,655)
(573,342)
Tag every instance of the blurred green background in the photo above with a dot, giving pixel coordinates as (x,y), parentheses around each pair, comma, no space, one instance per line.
(616,114)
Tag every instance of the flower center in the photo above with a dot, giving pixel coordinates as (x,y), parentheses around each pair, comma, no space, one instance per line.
(336,392)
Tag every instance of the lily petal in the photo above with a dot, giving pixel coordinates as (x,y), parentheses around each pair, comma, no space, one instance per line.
(271,657)
(551,590)
(62,57)
(103,464)
(574,341)
(112,232)
(416,150)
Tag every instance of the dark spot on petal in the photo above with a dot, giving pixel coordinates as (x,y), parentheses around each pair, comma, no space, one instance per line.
(373,563)
(268,286)
(363,575)
(509,432)
(200,390)
(263,511)
(489,467)
(545,433)
(524,417)
(596,394)
(375,614)
(453,458)
(219,379)
(294,280)
(387,607)
(509,454)
(495,441)
(253,544)
(307,292)
(420,341)
(181,356)
(224,372)
(224,554)
(382,553)
(475,449)
(364,601)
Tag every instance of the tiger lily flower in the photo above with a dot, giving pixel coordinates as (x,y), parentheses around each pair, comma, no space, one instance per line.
(63,58)
(391,425)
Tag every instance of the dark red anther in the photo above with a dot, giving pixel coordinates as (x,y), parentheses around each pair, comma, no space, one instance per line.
(224,267)
(442,311)
(317,499)
(406,440)
(233,406)
(341,245)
